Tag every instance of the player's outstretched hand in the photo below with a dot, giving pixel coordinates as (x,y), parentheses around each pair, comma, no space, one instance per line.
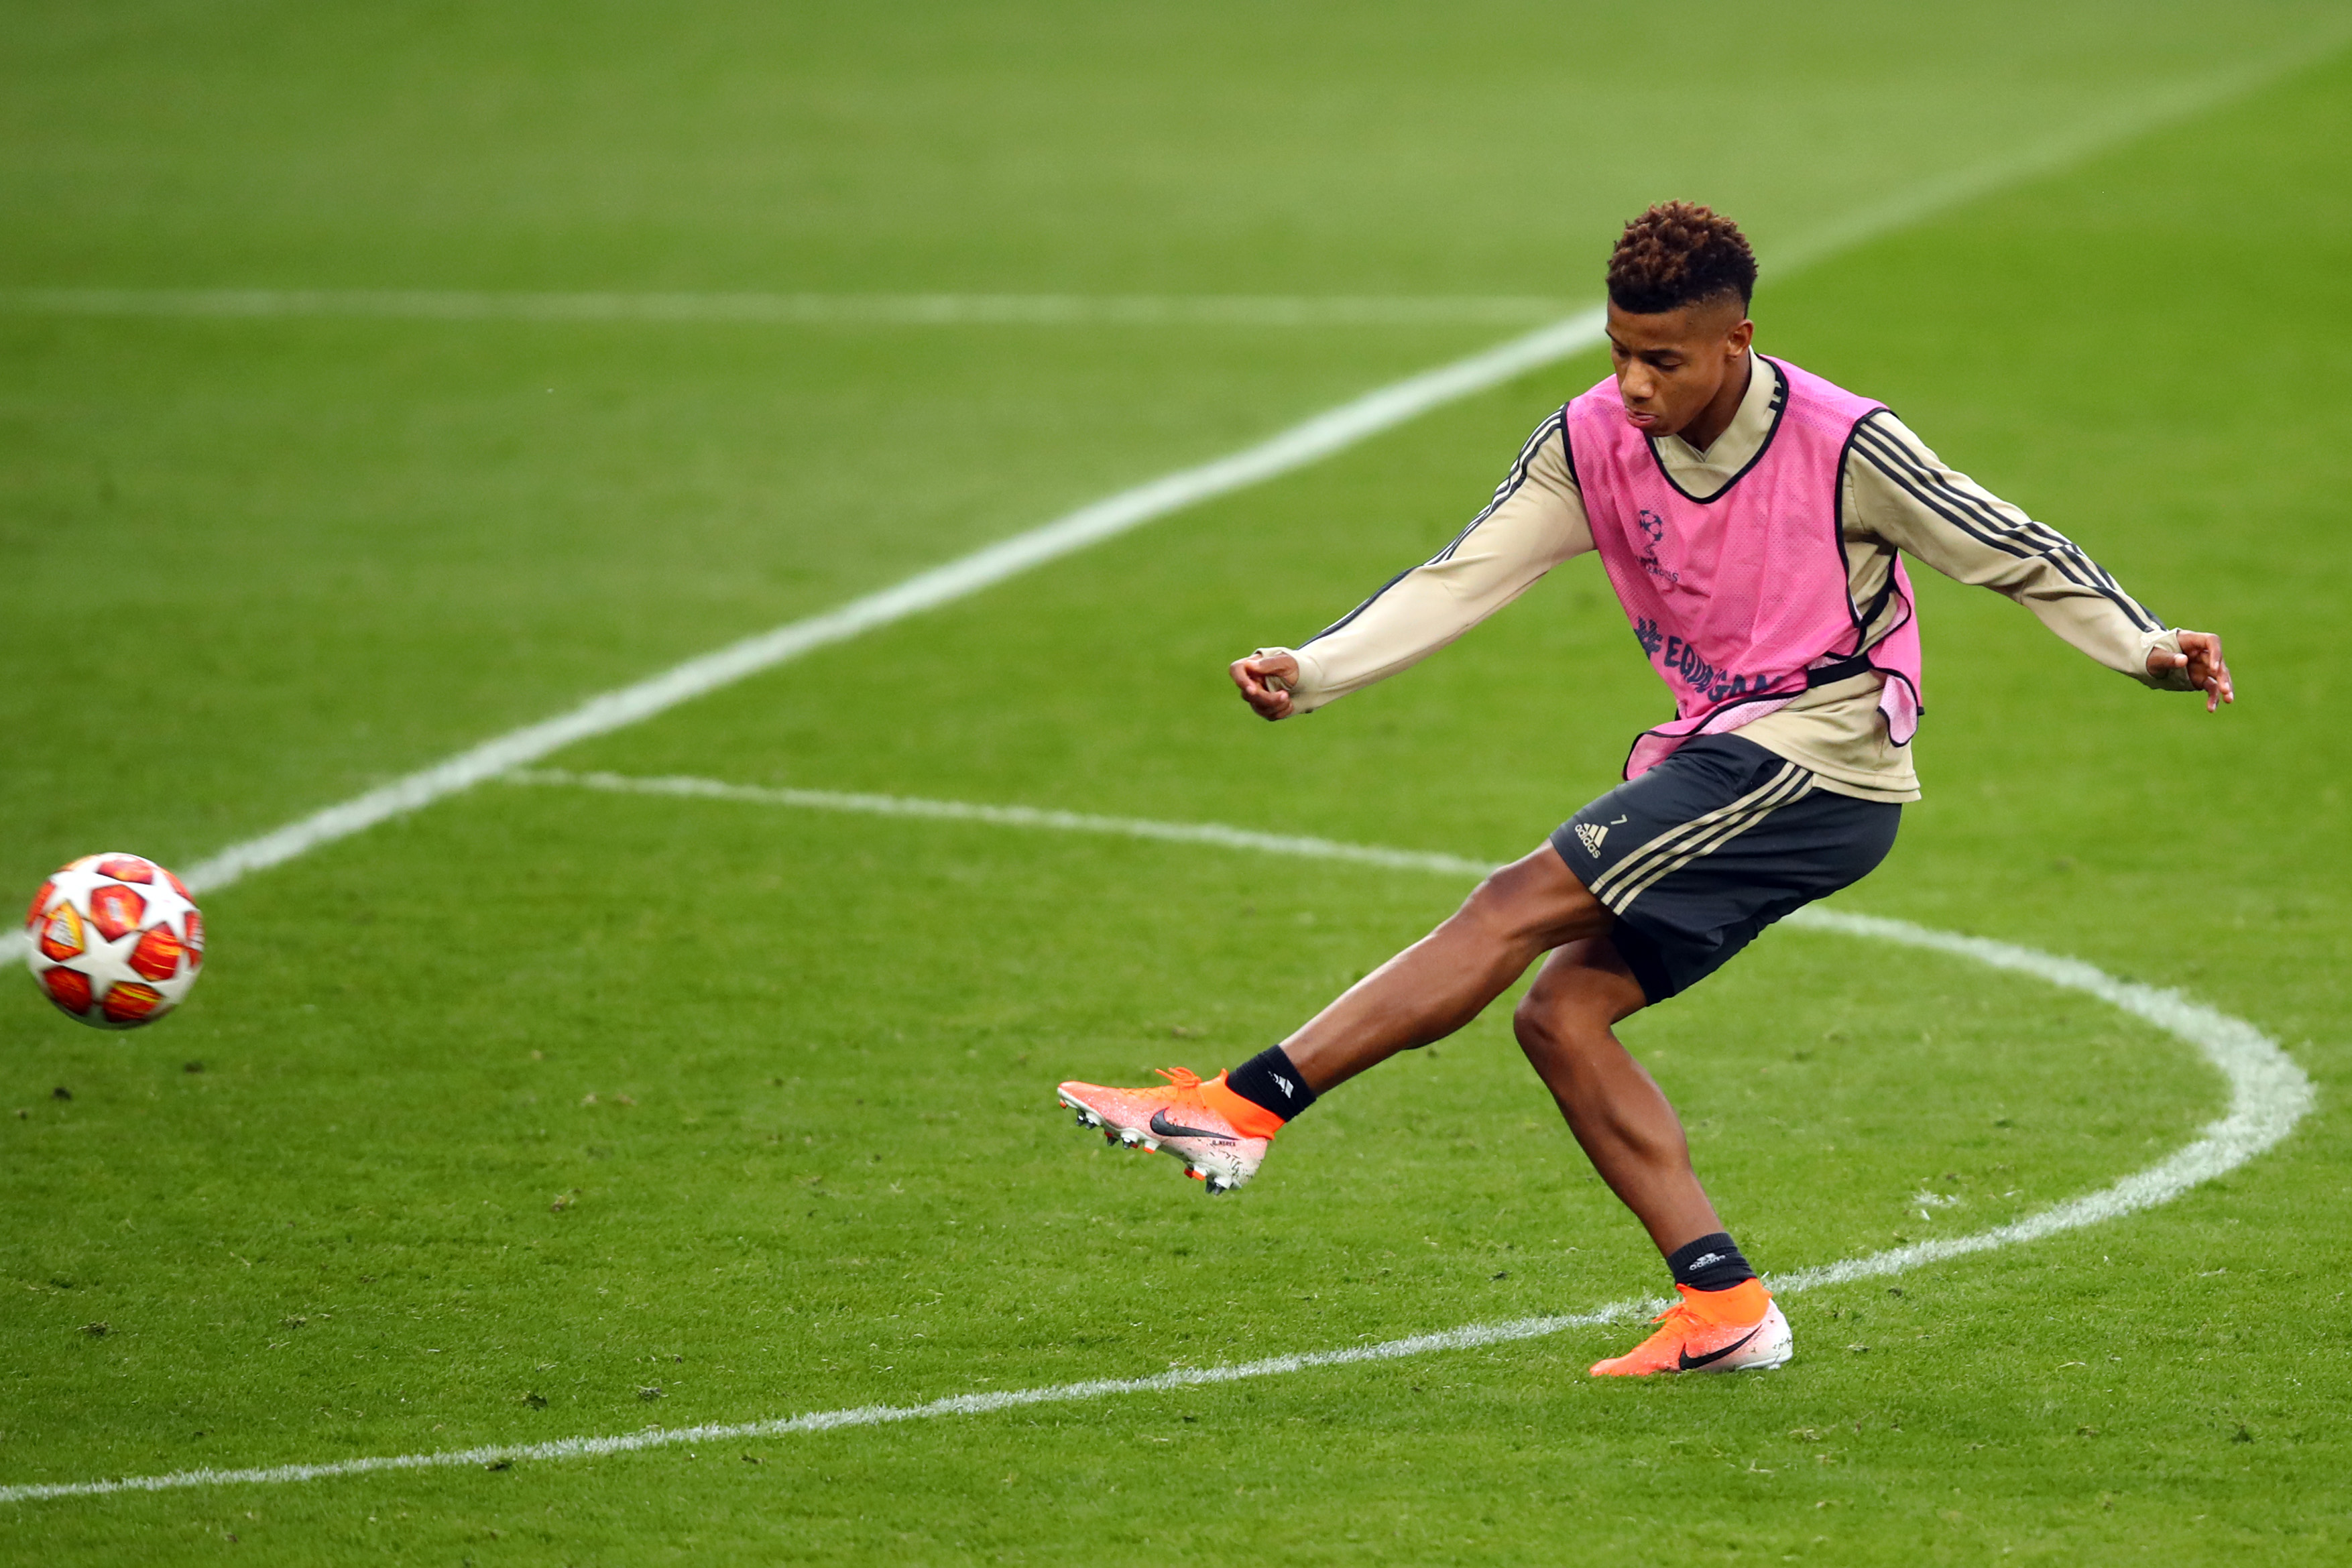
(2198,667)
(1265,680)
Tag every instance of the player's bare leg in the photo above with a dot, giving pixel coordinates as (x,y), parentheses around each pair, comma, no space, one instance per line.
(1533,906)
(1619,1114)
(1445,979)
(1221,1129)
(1566,1024)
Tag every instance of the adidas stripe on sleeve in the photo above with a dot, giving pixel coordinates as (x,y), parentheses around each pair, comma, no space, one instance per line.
(1903,495)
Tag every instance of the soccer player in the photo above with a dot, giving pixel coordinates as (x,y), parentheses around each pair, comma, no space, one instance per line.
(1751,518)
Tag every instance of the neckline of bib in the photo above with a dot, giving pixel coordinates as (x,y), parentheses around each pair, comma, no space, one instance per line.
(1779,409)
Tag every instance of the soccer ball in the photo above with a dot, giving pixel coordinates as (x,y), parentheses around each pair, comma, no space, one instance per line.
(115,940)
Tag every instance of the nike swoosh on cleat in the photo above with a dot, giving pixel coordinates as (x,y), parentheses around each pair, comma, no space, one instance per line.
(1165,1128)
(1690,1360)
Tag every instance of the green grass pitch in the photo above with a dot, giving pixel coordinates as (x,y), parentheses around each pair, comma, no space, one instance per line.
(547,1113)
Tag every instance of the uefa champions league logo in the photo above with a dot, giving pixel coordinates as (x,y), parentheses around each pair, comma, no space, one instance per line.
(1653,529)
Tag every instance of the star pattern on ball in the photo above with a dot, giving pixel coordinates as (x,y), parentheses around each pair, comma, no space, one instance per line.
(127,929)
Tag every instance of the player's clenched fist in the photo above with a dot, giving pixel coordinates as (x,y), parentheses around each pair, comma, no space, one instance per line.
(1266,681)
(2198,667)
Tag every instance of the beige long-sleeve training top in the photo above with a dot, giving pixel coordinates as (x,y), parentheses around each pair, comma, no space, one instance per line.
(1897,495)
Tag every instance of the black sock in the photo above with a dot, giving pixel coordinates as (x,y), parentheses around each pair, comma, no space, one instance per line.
(1710,1263)
(1268,1079)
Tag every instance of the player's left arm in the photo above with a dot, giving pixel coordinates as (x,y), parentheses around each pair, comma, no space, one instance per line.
(1899,492)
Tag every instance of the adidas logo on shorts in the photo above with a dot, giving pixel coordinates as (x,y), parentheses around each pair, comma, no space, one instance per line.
(1590,835)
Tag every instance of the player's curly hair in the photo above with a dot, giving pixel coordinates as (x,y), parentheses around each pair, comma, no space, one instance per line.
(1677,254)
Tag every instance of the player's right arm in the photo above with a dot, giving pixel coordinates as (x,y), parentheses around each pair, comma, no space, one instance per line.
(1535,522)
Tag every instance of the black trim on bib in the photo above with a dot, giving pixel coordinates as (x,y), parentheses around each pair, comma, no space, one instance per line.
(1779,409)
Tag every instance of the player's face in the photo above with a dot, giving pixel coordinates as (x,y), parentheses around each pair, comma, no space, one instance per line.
(1672,366)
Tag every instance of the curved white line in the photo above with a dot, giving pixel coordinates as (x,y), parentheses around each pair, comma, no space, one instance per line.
(1213,833)
(2268,1095)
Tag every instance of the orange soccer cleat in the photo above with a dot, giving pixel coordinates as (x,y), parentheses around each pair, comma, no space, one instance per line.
(1221,1138)
(1710,1330)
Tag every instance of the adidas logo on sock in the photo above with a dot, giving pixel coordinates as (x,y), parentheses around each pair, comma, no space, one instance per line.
(1590,835)
(1289,1090)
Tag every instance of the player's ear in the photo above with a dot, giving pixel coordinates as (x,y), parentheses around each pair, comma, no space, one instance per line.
(1740,337)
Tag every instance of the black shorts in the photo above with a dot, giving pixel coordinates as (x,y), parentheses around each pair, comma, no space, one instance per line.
(1712,846)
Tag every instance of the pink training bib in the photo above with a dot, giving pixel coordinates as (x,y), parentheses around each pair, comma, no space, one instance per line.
(1741,599)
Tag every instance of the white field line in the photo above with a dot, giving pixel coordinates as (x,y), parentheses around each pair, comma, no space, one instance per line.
(1470,1338)
(1320,436)
(1216,834)
(798,310)
(2122,123)
(2268,1095)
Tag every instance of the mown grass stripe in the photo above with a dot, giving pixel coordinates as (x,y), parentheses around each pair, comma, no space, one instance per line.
(1312,440)
(794,309)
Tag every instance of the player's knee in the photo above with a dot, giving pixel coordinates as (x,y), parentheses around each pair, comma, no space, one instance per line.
(1551,1028)
(1533,1028)
(1567,1014)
